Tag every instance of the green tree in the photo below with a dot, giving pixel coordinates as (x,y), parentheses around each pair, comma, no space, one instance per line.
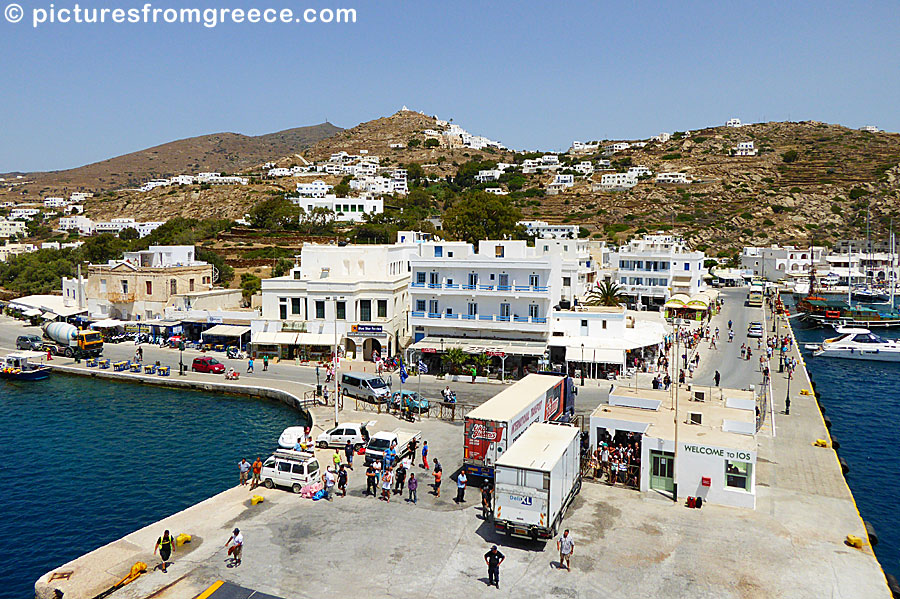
(481,215)
(790,156)
(250,284)
(414,171)
(226,273)
(282,267)
(318,221)
(432,143)
(129,234)
(274,214)
(342,189)
(454,359)
(608,293)
(413,143)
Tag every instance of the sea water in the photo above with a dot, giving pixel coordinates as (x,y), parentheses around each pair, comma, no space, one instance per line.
(87,461)
(862,399)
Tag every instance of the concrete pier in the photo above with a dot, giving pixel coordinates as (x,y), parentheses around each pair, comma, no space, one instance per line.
(627,543)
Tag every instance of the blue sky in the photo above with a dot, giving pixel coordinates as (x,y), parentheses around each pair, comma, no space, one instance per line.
(534,75)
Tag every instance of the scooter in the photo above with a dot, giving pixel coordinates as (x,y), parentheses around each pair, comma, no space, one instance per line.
(234,353)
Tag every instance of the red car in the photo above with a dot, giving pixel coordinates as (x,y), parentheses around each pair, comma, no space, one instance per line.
(207,364)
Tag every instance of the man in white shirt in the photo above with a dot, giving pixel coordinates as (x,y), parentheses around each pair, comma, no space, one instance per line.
(329,480)
(237,546)
(566,547)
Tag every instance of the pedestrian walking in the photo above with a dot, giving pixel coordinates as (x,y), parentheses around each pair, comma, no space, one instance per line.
(235,546)
(413,487)
(243,469)
(249,365)
(493,559)
(371,483)
(348,454)
(425,455)
(342,481)
(438,474)
(474,372)
(566,547)
(256,469)
(718,377)
(265,363)
(461,487)
(166,547)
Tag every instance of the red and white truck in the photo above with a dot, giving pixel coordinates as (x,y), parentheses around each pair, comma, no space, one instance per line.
(492,427)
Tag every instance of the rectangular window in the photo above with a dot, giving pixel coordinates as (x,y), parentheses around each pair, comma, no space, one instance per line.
(149,287)
(433,278)
(382,308)
(420,305)
(504,310)
(124,286)
(687,265)
(102,285)
(534,311)
(191,284)
(433,306)
(420,278)
(567,281)
(473,279)
(604,324)
(584,322)
(173,284)
(503,280)
(282,308)
(498,251)
(737,474)
(438,251)
(365,310)
(534,280)
(295,306)
(473,309)
(341,308)
(320,309)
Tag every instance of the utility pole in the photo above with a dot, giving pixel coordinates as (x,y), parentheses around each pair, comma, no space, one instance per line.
(677,379)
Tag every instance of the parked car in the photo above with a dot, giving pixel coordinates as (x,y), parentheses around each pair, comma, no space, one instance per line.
(755,330)
(207,364)
(29,342)
(411,401)
(367,387)
(355,432)
(288,468)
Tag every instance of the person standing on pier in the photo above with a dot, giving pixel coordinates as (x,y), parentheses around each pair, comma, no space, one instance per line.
(438,474)
(461,481)
(256,469)
(425,455)
(718,377)
(371,481)
(166,546)
(250,365)
(413,487)
(342,481)
(493,559)
(244,469)
(265,362)
(566,547)
(348,453)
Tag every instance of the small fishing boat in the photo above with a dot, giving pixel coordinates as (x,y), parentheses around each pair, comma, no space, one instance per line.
(290,435)
(17,367)
(859,344)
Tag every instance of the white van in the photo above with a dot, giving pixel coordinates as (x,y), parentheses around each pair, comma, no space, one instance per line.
(367,387)
(289,468)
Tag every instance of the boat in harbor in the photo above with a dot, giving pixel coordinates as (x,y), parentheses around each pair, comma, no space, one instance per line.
(17,367)
(868,295)
(859,344)
(291,435)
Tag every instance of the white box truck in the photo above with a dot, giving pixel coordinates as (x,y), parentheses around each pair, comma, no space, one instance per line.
(536,480)
(495,425)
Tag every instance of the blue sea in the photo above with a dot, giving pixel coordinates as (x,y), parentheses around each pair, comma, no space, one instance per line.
(87,462)
(862,399)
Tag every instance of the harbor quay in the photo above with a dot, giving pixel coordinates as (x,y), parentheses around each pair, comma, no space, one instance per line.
(627,542)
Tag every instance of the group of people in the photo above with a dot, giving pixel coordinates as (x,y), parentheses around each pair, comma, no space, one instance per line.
(246,469)
(619,462)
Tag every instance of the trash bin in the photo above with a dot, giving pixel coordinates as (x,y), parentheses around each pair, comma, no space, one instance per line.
(318,390)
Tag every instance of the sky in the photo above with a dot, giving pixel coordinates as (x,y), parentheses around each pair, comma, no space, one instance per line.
(533,75)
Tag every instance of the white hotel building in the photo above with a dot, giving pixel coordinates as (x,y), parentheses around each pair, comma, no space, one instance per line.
(497,299)
(355,295)
(345,209)
(544,230)
(8,228)
(655,267)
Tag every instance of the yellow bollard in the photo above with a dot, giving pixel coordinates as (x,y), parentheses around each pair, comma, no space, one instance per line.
(182,539)
(820,443)
(257,499)
(854,541)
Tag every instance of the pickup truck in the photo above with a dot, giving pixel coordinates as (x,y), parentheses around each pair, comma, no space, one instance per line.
(355,432)
(399,438)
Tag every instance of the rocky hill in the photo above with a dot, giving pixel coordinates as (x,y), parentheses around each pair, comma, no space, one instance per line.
(223,152)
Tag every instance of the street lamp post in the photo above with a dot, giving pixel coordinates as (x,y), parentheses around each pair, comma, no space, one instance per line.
(181,358)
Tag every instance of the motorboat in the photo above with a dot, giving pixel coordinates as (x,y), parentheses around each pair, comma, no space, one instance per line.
(17,367)
(868,295)
(289,436)
(859,344)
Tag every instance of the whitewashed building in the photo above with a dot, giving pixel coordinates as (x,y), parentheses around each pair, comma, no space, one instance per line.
(745,148)
(673,179)
(544,230)
(345,209)
(776,262)
(316,189)
(655,267)
(614,181)
(581,147)
(82,224)
(355,296)
(9,228)
(733,122)
(55,202)
(24,213)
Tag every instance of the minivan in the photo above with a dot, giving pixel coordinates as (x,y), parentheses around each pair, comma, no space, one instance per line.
(367,387)
(289,468)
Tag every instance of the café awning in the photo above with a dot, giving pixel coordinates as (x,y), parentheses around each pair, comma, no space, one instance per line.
(480,346)
(225,330)
(31,312)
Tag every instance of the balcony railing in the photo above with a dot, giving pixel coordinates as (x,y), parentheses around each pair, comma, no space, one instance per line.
(434,285)
(422,285)
(479,287)
(481,317)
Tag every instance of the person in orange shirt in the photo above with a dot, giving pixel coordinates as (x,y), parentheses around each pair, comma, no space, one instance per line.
(256,469)
(438,473)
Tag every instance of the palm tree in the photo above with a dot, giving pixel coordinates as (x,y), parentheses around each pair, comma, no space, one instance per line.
(608,293)
(455,358)
(481,362)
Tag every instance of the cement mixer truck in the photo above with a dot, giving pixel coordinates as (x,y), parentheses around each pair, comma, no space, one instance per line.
(64,339)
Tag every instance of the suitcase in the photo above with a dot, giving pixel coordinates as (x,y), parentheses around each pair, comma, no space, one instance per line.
(699,502)
(691,502)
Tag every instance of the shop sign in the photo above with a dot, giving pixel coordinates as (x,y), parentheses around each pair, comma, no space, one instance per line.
(495,354)
(214,319)
(429,350)
(366,329)
(727,454)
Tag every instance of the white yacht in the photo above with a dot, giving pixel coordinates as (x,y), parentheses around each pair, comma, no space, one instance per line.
(291,435)
(860,344)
